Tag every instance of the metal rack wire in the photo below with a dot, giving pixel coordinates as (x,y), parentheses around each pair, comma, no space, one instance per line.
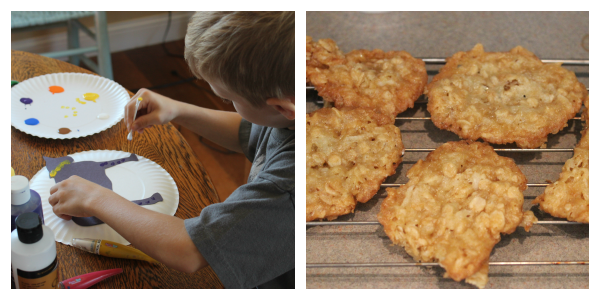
(570,62)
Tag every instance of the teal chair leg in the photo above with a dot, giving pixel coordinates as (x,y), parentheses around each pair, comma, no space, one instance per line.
(73,40)
(104,61)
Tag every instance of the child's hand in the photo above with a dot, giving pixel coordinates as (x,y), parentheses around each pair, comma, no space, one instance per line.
(154,109)
(75,196)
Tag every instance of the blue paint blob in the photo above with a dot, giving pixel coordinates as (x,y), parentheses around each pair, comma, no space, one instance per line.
(26,101)
(32,121)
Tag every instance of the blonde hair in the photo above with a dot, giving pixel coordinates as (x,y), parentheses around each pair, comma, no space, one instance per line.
(252,53)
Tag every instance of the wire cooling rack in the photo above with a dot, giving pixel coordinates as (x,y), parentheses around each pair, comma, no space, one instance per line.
(512,151)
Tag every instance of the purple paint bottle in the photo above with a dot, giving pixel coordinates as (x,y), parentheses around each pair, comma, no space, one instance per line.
(22,200)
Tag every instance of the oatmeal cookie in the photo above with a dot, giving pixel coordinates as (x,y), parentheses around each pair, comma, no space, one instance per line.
(455,206)
(321,54)
(388,82)
(348,155)
(503,97)
(585,115)
(569,196)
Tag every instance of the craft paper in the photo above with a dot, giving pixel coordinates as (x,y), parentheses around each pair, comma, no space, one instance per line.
(64,167)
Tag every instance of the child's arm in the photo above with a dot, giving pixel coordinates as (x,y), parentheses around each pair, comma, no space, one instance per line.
(219,126)
(161,236)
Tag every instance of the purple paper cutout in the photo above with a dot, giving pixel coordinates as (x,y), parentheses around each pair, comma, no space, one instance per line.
(94,172)
(155,198)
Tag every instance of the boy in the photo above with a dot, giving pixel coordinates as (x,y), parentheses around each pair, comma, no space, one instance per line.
(248,240)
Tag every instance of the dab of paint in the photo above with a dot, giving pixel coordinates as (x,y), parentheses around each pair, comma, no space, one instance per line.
(12,172)
(91,97)
(62,107)
(32,121)
(64,130)
(61,165)
(103,116)
(56,89)
(26,101)
(79,101)
(66,116)
(73,108)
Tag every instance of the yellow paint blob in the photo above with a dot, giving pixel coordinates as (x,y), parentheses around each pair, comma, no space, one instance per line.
(66,116)
(62,106)
(79,101)
(91,97)
(12,172)
(73,108)
(59,167)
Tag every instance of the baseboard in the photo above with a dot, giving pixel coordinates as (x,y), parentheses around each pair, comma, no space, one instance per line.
(125,35)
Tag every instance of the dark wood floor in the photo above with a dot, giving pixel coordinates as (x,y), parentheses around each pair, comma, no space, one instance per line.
(152,67)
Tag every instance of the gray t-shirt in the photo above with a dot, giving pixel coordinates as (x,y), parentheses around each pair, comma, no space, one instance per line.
(248,239)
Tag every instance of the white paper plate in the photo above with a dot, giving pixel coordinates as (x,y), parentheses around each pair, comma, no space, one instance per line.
(51,109)
(134,180)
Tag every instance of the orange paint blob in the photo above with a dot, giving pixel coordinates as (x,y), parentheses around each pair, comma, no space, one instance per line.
(56,89)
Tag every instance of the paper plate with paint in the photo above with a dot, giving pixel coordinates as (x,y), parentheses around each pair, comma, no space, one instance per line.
(67,105)
(133,177)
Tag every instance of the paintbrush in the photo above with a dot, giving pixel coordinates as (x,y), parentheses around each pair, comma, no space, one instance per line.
(137,104)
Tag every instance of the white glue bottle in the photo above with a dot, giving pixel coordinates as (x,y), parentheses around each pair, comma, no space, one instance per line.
(33,254)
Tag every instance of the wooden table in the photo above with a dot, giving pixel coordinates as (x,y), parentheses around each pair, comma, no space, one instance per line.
(163,145)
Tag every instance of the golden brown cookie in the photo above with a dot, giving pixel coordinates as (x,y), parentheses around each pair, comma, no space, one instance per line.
(388,82)
(585,115)
(503,97)
(322,54)
(455,206)
(569,196)
(349,153)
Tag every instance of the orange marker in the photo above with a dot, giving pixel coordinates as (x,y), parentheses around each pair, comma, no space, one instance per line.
(56,89)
